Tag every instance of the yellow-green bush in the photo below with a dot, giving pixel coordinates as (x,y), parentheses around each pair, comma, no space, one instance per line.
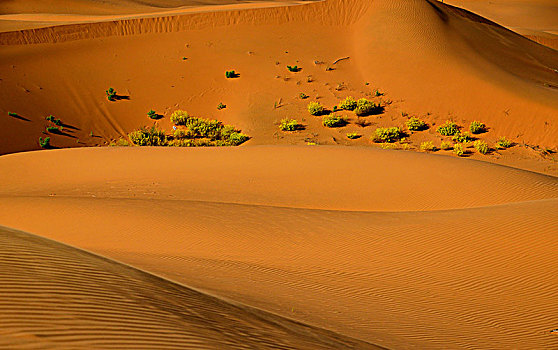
(481,147)
(477,127)
(416,124)
(179,117)
(391,134)
(289,125)
(448,129)
(333,121)
(315,108)
(504,143)
(365,107)
(458,150)
(348,103)
(427,146)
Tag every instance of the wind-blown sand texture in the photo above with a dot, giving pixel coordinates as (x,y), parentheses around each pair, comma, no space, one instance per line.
(374,252)
(56,296)
(278,243)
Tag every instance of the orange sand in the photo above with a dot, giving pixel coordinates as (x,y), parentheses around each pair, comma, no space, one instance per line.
(277,244)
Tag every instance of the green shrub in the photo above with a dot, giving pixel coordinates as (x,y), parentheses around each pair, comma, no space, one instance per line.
(458,149)
(504,143)
(391,134)
(366,107)
(446,145)
(416,124)
(148,137)
(111,94)
(462,138)
(348,103)
(179,117)
(152,114)
(481,147)
(315,108)
(427,146)
(182,134)
(231,74)
(289,125)
(333,121)
(221,106)
(293,68)
(236,138)
(477,127)
(353,135)
(54,129)
(303,96)
(12,114)
(448,129)
(55,121)
(44,143)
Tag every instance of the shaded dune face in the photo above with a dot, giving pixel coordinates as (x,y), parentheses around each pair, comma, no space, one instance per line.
(429,58)
(58,297)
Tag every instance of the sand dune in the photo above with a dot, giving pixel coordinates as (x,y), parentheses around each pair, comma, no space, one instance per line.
(290,241)
(478,275)
(535,19)
(468,68)
(58,297)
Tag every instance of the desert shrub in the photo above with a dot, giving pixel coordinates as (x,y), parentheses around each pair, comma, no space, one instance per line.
(427,146)
(391,134)
(44,143)
(333,121)
(366,107)
(221,106)
(458,149)
(462,138)
(289,125)
(504,143)
(231,74)
(179,117)
(477,127)
(481,147)
(446,145)
(54,129)
(148,137)
(448,129)
(111,94)
(182,134)
(315,108)
(303,96)
(377,93)
(53,120)
(353,135)
(293,68)
(416,124)
(12,114)
(205,128)
(236,138)
(348,103)
(152,114)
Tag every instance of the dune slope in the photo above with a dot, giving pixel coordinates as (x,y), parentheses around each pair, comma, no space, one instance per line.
(395,268)
(429,58)
(55,296)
